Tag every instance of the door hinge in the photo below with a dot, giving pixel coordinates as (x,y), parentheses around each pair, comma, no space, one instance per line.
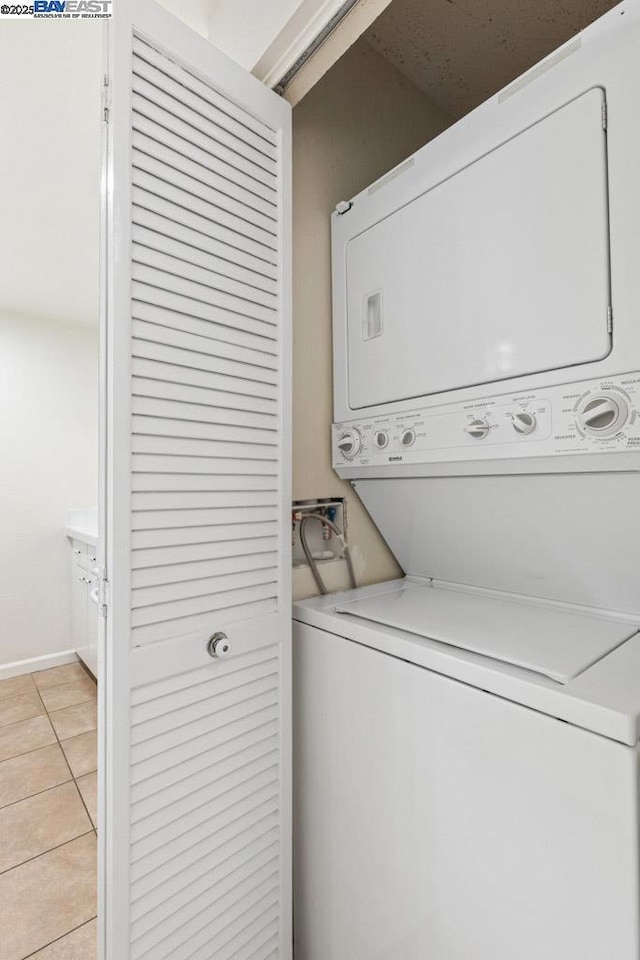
(102,591)
(105,98)
(604,114)
(343,207)
(609,319)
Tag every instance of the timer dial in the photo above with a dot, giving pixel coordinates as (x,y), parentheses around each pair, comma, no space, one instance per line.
(350,444)
(602,414)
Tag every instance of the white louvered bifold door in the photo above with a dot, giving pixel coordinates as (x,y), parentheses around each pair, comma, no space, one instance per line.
(196,816)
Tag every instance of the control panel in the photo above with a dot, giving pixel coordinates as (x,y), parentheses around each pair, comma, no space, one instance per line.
(587,417)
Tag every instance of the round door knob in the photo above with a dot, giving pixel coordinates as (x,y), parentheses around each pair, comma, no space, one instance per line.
(602,415)
(478,429)
(408,438)
(349,444)
(218,645)
(523,422)
(381,439)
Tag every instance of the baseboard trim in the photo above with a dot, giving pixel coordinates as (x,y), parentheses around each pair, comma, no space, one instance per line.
(19,667)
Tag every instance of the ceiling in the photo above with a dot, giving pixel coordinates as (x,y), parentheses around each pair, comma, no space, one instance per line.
(49,168)
(460,52)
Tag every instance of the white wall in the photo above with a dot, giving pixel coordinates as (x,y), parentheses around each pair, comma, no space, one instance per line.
(244,29)
(360,120)
(48,465)
(195,13)
(50,75)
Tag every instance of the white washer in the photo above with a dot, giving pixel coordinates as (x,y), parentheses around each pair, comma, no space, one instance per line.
(467,777)
(466,740)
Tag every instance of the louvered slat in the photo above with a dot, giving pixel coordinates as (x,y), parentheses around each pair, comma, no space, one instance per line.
(149,561)
(186,295)
(163,93)
(201,536)
(191,370)
(168,125)
(162,306)
(232,197)
(188,264)
(186,89)
(230,339)
(234,939)
(239,246)
(202,413)
(198,330)
(176,189)
(195,678)
(173,811)
(244,358)
(179,482)
(199,570)
(238,605)
(157,270)
(241,814)
(231,871)
(159,167)
(176,241)
(159,232)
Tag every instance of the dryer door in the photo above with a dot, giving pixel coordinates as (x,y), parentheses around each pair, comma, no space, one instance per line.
(502,270)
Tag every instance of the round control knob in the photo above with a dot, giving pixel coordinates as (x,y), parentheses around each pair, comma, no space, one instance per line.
(602,415)
(349,444)
(478,429)
(381,439)
(523,423)
(408,438)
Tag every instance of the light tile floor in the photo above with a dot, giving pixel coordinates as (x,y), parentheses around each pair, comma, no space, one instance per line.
(48,815)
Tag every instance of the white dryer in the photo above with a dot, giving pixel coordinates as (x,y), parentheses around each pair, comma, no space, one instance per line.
(466,739)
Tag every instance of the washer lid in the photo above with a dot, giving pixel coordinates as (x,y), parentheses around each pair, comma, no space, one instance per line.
(540,638)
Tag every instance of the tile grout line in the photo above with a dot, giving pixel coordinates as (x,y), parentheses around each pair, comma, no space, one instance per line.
(44,746)
(51,686)
(38,793)
(44,713)
(82,800)
(44,853)
(33,684)
(58,939)
(3,726)
(73,777)
(77,703)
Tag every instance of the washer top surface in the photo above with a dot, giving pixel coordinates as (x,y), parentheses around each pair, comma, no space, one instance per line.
(547,640)
(575,663)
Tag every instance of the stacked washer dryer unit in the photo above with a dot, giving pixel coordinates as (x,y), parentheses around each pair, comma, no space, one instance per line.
(467,737)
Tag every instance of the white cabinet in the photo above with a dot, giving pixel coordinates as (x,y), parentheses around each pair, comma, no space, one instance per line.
(84,610)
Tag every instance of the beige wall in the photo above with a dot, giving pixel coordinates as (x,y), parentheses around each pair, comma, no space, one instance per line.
(360,120)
